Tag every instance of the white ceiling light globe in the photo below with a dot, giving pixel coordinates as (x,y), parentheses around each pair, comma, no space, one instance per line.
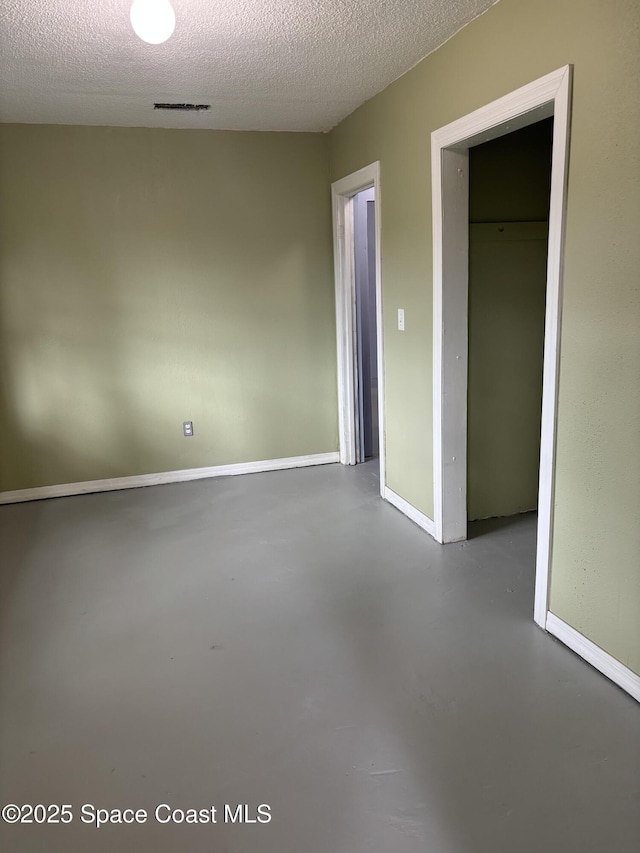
(153,20)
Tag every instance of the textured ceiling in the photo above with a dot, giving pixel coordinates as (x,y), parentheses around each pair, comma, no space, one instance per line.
(261,64)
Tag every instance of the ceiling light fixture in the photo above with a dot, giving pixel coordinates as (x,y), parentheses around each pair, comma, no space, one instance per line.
(153,20)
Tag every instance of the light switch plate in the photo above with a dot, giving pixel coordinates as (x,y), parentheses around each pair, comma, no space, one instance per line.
(401,319)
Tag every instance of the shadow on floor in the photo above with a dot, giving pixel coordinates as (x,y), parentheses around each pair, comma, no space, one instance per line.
(486,526)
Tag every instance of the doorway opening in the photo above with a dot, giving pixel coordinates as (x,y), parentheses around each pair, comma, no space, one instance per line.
(357,256)
(509,197)
(364,247)
(450,157)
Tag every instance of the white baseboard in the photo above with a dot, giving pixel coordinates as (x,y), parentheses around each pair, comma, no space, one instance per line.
(601,660)
(67,489)
(410,511)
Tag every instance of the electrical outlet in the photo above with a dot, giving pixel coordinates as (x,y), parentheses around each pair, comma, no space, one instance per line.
(401,319)
(187,428)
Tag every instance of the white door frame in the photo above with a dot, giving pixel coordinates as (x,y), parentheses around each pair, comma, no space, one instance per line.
(550,95)
(342,193)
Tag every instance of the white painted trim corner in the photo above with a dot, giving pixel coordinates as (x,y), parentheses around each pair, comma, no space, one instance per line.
(410,511)
(116,483)
(597,657)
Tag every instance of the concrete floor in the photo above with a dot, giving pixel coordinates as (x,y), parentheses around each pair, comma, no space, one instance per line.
(289,639)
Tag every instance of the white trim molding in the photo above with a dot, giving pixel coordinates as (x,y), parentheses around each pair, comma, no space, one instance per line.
(601,660)
(410,511)
(116,483)
(342,193)
(548,96)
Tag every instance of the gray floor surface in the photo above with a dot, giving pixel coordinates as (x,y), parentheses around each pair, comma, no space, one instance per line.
(289,639)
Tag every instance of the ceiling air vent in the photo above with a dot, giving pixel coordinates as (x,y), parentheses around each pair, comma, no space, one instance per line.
(185,108)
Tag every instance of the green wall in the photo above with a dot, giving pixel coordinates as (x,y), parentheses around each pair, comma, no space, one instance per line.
(510,177)
(507,282)
(509,190)
(153,276)
(595,582)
